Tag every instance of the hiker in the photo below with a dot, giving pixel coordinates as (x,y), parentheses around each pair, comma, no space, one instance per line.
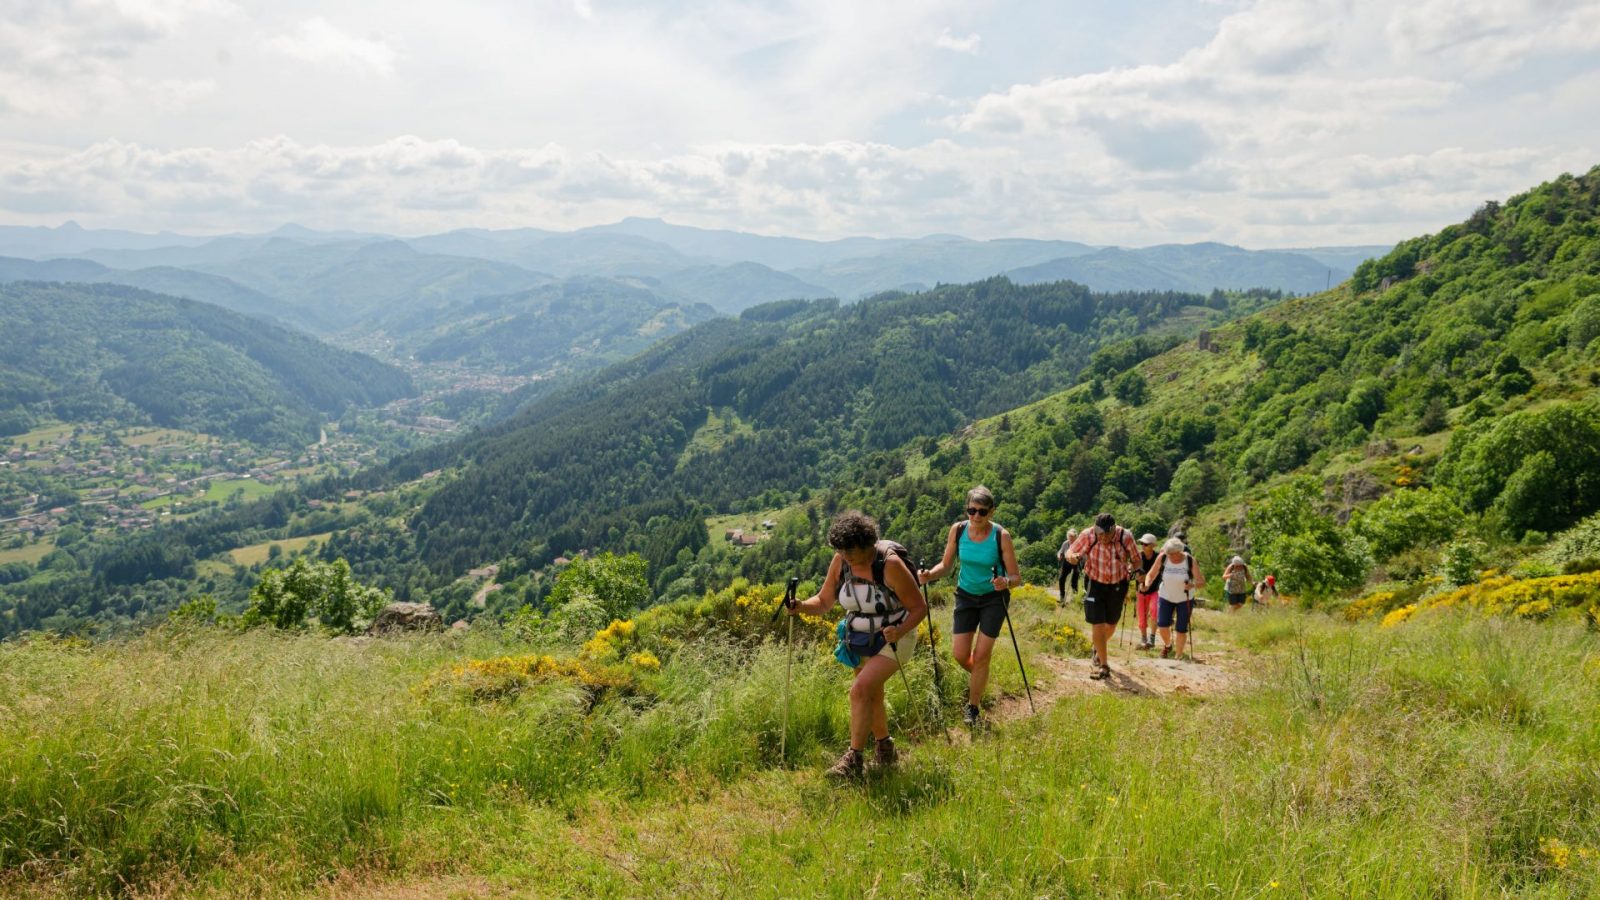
(1236,583)
(1109,560)
(983,589)
(1066,569)
(878,634)
(1145,605)
(1268,587)
(1175,579)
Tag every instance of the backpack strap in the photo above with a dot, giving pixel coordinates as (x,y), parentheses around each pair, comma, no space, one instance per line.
(879,563)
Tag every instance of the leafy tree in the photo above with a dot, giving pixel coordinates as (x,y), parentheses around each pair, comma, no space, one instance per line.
(1305,547)
(1552,492)
(1407,518)
(617,585)
(284,598)
(1131,388)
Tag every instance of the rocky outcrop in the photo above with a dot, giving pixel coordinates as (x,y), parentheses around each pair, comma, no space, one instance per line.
(406,617)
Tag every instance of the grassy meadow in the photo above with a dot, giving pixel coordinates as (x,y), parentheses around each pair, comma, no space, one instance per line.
(1453,756)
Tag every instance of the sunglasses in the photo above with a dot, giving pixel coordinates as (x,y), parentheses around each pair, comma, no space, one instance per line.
(977,511)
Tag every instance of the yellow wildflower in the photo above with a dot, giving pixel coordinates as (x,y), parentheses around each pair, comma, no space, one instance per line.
(1556,852)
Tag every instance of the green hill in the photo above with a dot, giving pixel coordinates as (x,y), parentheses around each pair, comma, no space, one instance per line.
(569,326)
(365,285)
(93,351)
(1455,378)
(1189,267)
(167,280)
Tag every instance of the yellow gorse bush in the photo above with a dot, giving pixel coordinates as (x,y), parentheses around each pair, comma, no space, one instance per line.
(1395,617)
(608,643)
(1370,605)
(1531,598)
(506,675)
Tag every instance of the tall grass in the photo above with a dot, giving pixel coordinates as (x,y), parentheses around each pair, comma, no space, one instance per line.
(1452,759)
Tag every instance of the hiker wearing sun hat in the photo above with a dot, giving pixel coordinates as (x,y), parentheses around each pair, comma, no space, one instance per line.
(1236,583)
(1175,577)
(1268,588)
(1145,605)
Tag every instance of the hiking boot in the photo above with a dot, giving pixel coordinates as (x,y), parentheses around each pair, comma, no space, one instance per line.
(1100,672)
(851,765)
(1166,652)
(884,755)
(970,719)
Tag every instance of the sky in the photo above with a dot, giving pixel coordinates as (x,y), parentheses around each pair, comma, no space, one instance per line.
(1264,123)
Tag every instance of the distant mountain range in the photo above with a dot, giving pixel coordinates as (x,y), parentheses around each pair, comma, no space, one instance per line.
(337,281)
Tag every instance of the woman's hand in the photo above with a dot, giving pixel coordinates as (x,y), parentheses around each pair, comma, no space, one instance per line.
(1000,583)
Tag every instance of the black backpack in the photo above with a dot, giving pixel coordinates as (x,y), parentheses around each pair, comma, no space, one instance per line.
(886,547)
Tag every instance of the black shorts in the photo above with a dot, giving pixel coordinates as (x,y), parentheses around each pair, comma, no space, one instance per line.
(1102,603)
(974,613)
(1235,599)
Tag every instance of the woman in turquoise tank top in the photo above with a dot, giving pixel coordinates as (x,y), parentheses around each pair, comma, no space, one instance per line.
(983,588)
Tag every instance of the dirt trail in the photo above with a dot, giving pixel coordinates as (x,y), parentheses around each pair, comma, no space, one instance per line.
(1217,669)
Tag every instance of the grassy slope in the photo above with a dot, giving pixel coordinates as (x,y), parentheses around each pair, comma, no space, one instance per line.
(1361,762)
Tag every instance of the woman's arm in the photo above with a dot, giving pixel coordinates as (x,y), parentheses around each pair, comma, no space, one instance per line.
(899,579)
(928,576)
(1008,562)
(827,595)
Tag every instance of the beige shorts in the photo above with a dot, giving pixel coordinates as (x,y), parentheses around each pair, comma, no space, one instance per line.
(901,651)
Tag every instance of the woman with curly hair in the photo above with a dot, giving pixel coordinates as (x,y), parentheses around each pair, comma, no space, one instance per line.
(883,607)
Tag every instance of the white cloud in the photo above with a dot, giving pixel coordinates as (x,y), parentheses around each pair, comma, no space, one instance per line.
(317,41)
(823,190)
(948,41)
(66,58)
(1264,122)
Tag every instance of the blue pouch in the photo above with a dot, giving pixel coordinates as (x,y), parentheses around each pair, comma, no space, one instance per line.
(842,651)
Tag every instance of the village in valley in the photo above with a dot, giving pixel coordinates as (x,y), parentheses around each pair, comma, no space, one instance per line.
(117,479)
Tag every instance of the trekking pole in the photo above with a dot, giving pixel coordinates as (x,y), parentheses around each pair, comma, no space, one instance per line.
(933,650)
(788,666)
(1194,624)
(1122,614)
(1006,605)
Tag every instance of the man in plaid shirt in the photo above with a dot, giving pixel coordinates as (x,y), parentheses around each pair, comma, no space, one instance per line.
(1110,557)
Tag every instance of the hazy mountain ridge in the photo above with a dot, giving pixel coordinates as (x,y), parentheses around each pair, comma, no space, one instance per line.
(1192,267)
(690,259)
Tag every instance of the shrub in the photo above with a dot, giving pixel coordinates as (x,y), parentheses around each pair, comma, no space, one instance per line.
(618,584)
(1305,547)
(1461,563)
(285,597)
(1406,519)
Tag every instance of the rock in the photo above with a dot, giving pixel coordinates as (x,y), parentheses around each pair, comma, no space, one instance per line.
(405,617)
(459,625)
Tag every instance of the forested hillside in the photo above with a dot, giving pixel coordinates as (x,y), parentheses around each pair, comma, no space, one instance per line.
(568,326)
(168,280)
(1454,378)
(93,351)
(368,283)
(813,386)
(762,409)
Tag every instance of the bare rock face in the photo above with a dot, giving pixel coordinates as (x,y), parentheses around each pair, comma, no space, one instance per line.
(406,617)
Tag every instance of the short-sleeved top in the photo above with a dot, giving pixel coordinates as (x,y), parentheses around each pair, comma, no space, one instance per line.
(1107,562)
(979,561)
